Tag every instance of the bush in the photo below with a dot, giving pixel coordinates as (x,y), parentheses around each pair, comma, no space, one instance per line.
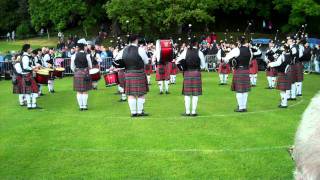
(23,30)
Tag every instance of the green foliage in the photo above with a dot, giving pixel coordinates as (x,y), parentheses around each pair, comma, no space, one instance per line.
(24,29)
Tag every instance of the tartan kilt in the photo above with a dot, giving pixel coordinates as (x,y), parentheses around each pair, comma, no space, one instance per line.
(283,81)
(253,67)
(192,84)
(173,69)
(162,72)
(292,73)
(241,81)
(28,84)
(271,72)
(299,71)
(81,80)
(148,69)
(121,78)
(136,83)
(18,88)
(224,68)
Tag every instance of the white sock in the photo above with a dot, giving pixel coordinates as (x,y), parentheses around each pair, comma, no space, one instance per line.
(273,81)
(299,87)
(85,100)
(21,99)
(133,105)
(119,88)
(225,78)
(166,83)
(244,100)
(140,102)
(149,79)
(269,81)
(293,90)
(255,77)
(161,85)
(251,79)
(94,84)
(284,101)
(221,78)
(194,104)
(174,78)
(79,98)
(288,93)
(34,100)
(123,96)
(239,100)
(28,98)
(187,100)
(40,89)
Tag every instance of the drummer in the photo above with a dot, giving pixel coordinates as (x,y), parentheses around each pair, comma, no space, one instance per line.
(40,63)
(17,79)
(162,72)
(95,60)
(80,65)
(29,86)
(48,59)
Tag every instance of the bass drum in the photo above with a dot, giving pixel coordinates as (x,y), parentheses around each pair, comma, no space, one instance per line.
(164,51)
(111,79)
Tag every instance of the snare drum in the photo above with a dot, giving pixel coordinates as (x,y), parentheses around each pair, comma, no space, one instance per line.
(95,74)
(58,72)
(111,79)
(164,50)
(42,76)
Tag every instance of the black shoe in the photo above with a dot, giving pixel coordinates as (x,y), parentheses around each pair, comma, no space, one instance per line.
(122,100)
(268,88)
(194,115)
(167,92)
(116,92)
(253,85)
(299,95)
(85,109)
(81,109)
(134,115)
(221,84)
(161,93)
(280,106)
(185,114)
(292,99)
(37,107)
(143,114)
(240,110)
(41,94)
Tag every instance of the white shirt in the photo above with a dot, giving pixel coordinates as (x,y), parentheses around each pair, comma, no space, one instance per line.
(141,51)
(183,55)
(234,53)
(26,61)
(98,57)
(46,58)
(278,62)
(18,68)
(293,49)
(301,50)
(73,65)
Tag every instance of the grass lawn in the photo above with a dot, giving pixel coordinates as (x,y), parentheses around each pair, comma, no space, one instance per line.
(60,142)
(35,43)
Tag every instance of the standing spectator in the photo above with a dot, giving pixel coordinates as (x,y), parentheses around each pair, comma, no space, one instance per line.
(60,35)
(13,35)
(41,32)
(8,36)
(316,54)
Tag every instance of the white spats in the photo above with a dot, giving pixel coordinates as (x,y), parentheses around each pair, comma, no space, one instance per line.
(284,101)
(269,78)
(166,83)
(242,100)
(132,105)
(172,79)
(149,79)
(273,82)
(79,99)
(160,83)
(140,102)
(29,101)
(221,76)
(299,88)
(293,91)
(187,101)
(253,79)
(34,100)
(21,99)
(194,104)
(50,85)
(85,100)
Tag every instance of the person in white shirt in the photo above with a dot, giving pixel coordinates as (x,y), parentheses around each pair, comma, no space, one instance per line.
(82,83)
(17,79)
(241,79)
(134,58)
(95,60)
(49,62)
(191,61)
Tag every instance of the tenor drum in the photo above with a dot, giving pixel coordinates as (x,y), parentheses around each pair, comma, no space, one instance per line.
(58,72)
(111,79)
(42,76)
(95,74)
(164,50)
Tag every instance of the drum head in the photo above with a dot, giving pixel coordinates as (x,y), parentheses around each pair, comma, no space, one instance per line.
(60,69)
(158,50)
(43,72)
(94,71)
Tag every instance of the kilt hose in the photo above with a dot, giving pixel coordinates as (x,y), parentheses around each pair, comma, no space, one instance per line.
(241,81)
(17,87)
(283,81)
(271,72)
(299,71)
(253,67)
(173,69)
(224,68)
(29,85)
(81,80)
(292,73)
(136,83)
(163,72)
(148,69)
(192,84)
(121,78)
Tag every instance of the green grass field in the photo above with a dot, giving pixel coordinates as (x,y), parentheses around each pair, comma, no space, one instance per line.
(60,142)
(35,43)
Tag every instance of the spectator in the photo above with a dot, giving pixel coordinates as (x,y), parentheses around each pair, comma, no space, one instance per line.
(8,36)
(316,54)
(13,35)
